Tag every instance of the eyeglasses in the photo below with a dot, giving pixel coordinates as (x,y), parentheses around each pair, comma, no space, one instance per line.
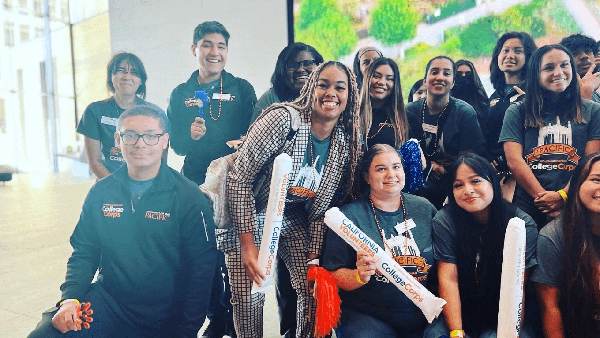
(132,138)
(293,65)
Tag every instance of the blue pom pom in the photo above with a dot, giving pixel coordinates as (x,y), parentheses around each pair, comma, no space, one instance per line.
(411,156)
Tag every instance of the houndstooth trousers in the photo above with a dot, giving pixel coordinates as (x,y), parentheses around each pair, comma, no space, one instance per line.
(248,308)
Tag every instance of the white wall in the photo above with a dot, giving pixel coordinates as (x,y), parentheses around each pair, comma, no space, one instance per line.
(160,32)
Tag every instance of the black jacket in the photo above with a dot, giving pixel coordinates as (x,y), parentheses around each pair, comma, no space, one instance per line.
(156,259)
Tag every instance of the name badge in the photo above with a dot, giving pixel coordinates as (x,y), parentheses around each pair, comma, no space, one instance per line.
(222,97)
(401,228)
(111,121)
(430,128)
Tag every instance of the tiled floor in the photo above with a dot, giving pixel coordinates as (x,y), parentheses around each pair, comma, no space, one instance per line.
(37,215)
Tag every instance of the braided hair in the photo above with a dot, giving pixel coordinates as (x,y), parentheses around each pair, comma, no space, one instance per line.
(349,120)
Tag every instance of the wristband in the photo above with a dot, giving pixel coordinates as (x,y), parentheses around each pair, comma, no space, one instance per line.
(61,303)
(457,333)
(563,194)
(314,261)
(358,278)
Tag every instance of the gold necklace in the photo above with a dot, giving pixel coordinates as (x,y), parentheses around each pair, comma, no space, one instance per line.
(220,102)
(381,125)
(381,231)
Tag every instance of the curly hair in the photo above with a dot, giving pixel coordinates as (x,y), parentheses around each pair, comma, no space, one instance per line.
(394,104)
(348,121)
(578,43)
(496,75)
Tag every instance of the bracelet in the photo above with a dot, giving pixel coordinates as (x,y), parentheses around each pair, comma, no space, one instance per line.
(75,300)
(314,261)
(563,194)
(358,278)
(457,333)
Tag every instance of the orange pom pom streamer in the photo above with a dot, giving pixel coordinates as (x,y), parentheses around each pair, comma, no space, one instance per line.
(328,301)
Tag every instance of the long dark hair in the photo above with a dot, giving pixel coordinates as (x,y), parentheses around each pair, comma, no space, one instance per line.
(487,239)
(478,99)
(284,93)
(537,96)
(356,63)
(580,287)
(393,106)
(496,75)
(135,63)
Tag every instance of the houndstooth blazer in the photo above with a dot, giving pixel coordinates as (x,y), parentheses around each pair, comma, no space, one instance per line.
(265,140)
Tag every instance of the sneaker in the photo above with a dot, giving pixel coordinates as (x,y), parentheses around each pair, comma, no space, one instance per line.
(215,329)
(230,330)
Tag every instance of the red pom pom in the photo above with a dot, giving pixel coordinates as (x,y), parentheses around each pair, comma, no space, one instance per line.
(328,301)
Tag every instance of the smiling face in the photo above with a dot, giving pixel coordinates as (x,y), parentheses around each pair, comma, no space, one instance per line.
(297,74)
(125,80)
(382,83)
(555,71)
(512,56)
(141,157)
(331,94)
(211,54)
(366,59)
(584,59)
(589,192)
(472,193)
(440,77)
(386,175)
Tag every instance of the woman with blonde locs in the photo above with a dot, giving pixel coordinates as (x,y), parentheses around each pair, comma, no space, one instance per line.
(325,151)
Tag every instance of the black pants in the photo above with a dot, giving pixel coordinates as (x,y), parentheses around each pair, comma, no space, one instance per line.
(286,300)
(220,308)
(108,321)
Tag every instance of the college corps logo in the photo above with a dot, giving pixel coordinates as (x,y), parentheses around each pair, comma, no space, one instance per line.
(158,215)
(554,150)
(407,254)
(112,210)
(115,154)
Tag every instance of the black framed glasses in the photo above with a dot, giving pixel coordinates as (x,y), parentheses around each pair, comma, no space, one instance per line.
(132,138)
(293,65)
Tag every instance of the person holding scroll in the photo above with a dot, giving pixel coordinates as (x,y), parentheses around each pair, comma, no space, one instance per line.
(468,241)
(566,278)
(401,224)
(325,150)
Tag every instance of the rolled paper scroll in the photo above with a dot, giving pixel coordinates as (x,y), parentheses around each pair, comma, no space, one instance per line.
(200,95)
(513,277)
(430,305)
(267,254)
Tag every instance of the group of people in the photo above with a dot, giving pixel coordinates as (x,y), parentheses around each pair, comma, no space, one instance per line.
(426,180)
